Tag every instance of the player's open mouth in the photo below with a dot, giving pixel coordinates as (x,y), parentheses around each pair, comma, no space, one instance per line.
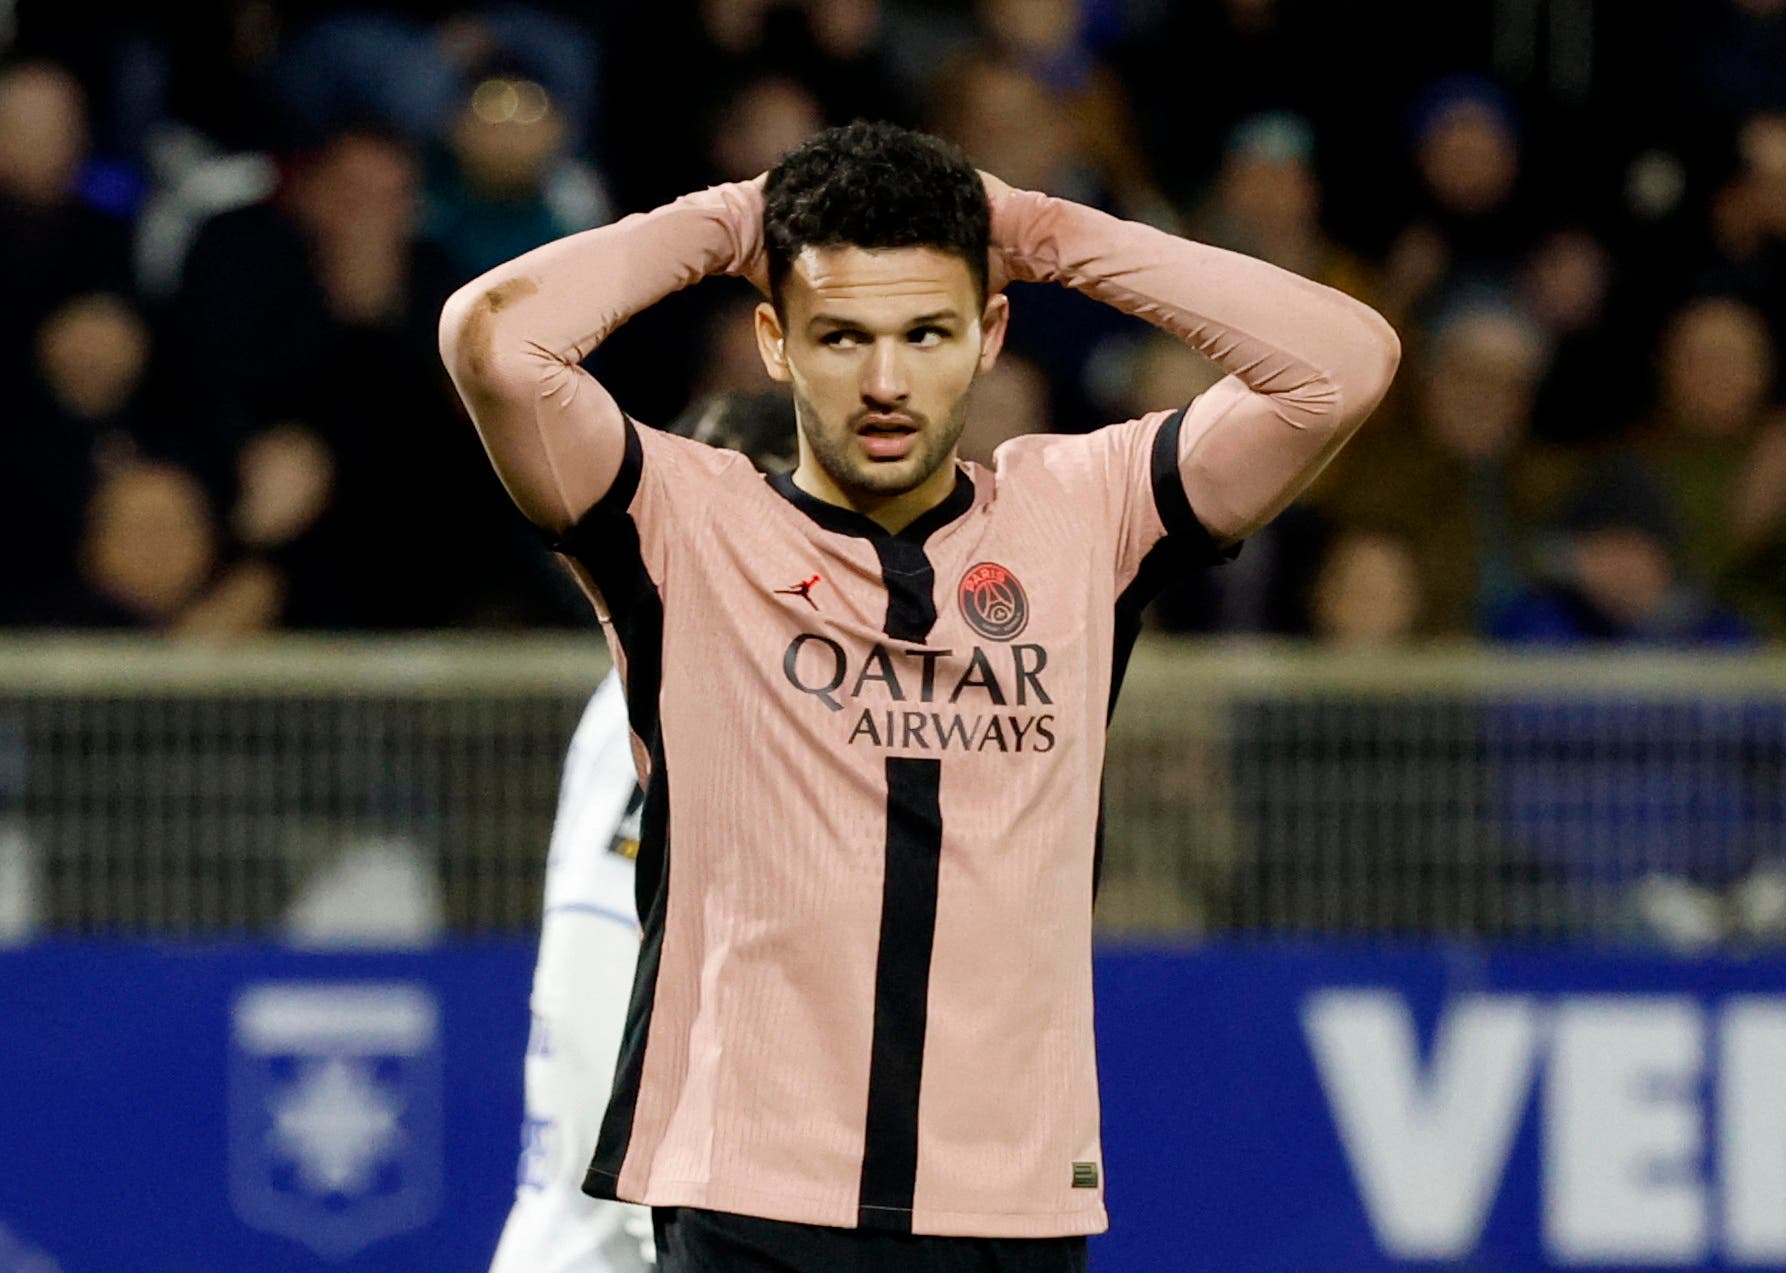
(887,437)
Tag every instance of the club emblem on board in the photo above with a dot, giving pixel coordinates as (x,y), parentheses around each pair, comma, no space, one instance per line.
(335,1111)
(993,602)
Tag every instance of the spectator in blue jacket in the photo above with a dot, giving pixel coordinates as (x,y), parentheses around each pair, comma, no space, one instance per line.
(1615,575)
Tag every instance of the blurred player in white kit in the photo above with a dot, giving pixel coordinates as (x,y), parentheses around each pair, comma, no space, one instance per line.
(589,946)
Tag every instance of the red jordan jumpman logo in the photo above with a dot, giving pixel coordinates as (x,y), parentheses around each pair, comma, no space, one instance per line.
(803,590)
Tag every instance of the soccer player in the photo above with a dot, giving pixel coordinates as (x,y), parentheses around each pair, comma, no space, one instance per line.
(589,946)
(869,698)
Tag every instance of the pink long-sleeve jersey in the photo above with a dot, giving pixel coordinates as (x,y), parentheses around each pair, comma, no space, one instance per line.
(873,758)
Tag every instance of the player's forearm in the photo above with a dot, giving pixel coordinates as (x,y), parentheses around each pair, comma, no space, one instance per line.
(1307,363)
(514,338)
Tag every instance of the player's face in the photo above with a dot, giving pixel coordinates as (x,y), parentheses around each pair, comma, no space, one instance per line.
(880,347)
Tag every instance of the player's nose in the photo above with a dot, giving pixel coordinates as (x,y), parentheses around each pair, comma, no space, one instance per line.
(884,379)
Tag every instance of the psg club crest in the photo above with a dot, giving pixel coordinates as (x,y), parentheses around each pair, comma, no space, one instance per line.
(992,602)
(335,1112)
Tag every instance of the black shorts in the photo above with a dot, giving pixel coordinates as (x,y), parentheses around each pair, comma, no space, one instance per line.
(691,1241)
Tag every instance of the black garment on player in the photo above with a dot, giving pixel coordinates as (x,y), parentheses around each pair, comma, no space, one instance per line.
(695,1241)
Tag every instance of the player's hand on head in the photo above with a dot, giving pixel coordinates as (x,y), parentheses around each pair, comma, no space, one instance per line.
(997,272)
(754,268)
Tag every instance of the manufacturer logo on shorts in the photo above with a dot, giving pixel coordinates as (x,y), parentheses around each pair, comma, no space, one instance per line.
(992,601)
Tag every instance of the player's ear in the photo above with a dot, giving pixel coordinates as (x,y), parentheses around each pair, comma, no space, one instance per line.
(772,344)
(994,321)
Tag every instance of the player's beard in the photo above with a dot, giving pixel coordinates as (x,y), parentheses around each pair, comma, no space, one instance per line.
(840,456)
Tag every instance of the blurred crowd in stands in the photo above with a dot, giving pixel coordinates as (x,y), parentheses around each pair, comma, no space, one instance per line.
(227,227)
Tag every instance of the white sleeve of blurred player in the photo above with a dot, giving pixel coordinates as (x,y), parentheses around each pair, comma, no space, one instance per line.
(589,945)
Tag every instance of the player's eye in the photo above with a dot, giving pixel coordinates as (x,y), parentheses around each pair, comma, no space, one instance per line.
(842,339)
(925,337)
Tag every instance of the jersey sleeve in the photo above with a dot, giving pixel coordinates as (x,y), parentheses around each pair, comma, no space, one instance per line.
(1154,479)
(624,552)
(665,489)
(1130,474)
(515,338)
(1306,364)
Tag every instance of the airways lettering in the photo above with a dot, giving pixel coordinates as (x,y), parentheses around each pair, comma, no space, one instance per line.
(936,731)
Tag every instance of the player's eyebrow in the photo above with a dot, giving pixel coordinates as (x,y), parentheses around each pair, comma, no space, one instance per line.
(832,320)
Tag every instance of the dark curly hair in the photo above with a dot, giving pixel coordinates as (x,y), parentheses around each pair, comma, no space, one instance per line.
(875,185)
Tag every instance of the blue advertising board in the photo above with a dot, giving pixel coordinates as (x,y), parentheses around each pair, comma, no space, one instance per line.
(231,1108)
(1270,1108)
(213,1109)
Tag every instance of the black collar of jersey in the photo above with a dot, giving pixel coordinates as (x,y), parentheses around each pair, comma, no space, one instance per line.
(846,521)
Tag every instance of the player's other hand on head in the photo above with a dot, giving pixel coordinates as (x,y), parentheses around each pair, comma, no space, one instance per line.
(997,272)
(754,268)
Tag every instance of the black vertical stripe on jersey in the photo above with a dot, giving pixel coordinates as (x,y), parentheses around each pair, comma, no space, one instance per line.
(911,588)
(901,992)
(605,543)
(602,1180)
